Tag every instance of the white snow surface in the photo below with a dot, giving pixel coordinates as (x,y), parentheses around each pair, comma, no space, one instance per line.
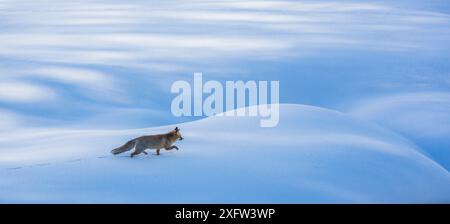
(314,155)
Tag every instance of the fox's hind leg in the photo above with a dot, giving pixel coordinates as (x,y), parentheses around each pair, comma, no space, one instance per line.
(135,153)
(138,150)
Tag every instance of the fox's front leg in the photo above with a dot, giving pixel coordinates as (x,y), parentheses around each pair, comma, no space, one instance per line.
(157,151)
(172,147)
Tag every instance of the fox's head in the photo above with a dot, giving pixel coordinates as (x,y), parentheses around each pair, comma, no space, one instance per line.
(178,133)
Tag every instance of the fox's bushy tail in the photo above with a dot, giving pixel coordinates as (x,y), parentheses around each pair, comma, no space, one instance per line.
(128,146)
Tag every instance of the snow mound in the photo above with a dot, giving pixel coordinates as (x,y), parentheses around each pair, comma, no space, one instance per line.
(423,118)
(314,155)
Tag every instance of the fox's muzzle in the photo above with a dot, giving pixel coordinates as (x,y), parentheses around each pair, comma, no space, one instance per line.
(181,138)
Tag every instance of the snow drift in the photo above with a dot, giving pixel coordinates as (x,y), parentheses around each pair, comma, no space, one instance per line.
(314,155)
(423,118)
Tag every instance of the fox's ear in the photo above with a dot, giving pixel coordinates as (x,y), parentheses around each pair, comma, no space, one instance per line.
(177,129)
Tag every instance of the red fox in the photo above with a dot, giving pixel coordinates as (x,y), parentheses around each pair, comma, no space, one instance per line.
(151,142)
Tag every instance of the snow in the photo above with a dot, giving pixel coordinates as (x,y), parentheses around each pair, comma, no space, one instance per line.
(314,155)
(422,117)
